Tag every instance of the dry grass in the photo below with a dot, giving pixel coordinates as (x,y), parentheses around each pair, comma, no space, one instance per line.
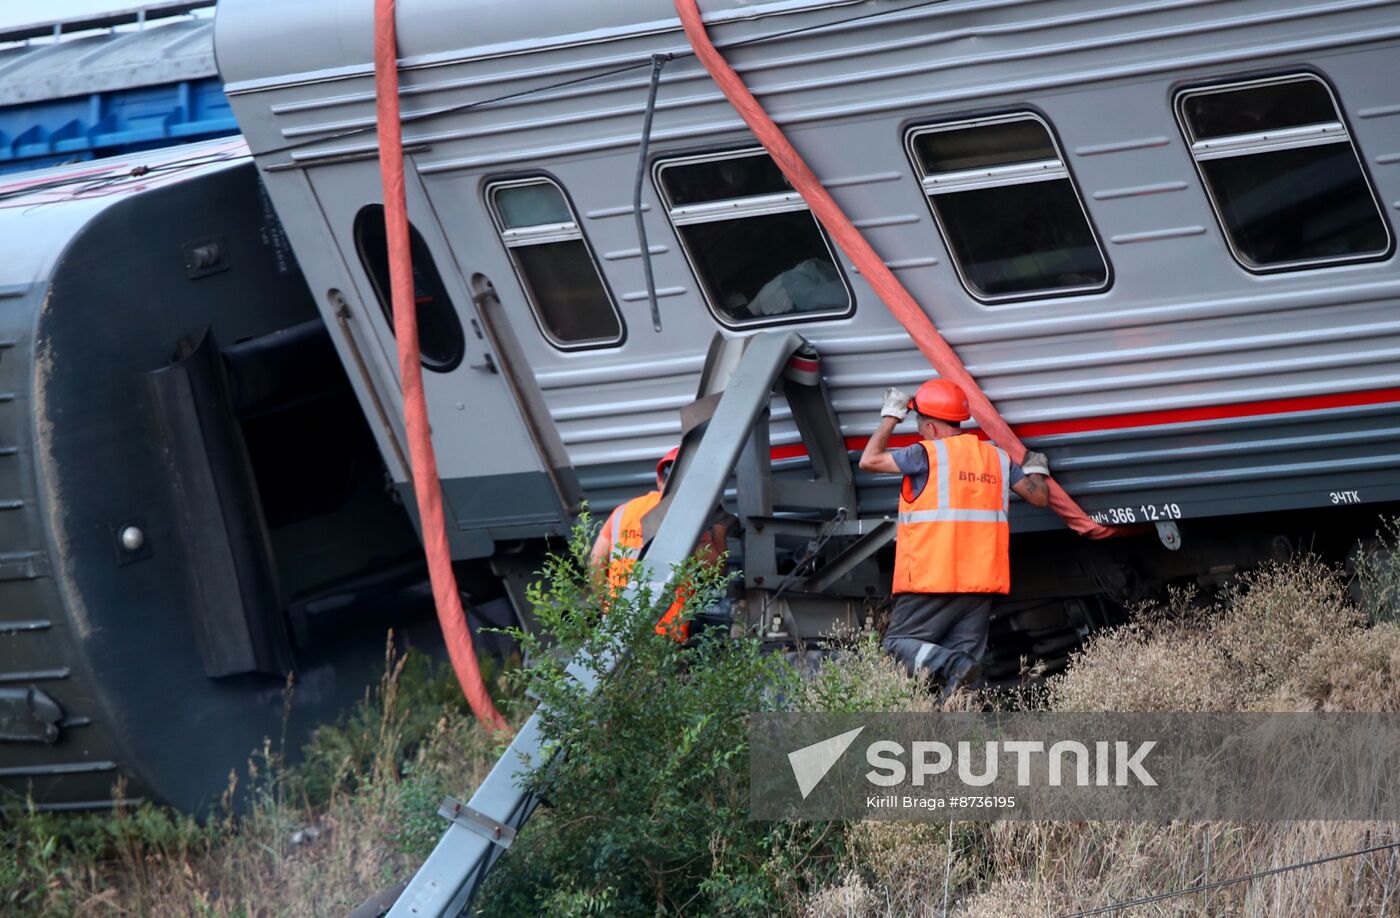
(1233,655)
(862,677)
(1284,638)
(1056,869)
(896,868)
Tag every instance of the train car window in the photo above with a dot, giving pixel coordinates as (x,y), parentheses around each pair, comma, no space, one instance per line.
(556,267)
(755,247)
(440,338)
(1008,210)
(1282,173)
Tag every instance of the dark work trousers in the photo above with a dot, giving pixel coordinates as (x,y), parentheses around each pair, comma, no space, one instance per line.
(928,629)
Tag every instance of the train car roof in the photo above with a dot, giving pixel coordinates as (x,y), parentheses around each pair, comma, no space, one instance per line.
(269,42)
(165,52)
(41,211)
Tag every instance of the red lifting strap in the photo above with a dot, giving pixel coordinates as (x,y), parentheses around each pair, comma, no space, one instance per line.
(426,487)
(916,323)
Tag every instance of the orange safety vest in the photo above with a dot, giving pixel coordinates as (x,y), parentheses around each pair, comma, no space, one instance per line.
(953,536)
(627,543)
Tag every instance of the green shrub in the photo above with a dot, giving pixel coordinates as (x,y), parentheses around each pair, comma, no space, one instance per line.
(48,858)
(646,798)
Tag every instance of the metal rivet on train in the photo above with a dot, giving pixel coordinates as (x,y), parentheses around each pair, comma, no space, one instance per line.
(133,538)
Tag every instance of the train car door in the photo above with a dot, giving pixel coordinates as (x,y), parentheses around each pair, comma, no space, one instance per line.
(501,477)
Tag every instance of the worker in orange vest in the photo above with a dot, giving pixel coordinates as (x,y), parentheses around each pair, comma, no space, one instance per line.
(953,550)
(620,541)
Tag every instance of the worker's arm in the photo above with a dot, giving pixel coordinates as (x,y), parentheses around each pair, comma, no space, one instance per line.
(876,457)
(712,544)
(1032,488)
(714,540)
(602,546)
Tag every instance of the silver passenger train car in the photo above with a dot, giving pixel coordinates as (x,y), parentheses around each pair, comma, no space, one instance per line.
(1159,233)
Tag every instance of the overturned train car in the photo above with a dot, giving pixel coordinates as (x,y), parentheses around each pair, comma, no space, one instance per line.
(194,507)
(1159,234)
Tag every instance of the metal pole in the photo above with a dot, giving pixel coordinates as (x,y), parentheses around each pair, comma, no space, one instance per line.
(657,62)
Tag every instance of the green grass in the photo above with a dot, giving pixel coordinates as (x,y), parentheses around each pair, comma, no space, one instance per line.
(355,815)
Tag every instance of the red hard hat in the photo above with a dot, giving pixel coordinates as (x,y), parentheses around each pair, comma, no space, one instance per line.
(939,398)
(667,459)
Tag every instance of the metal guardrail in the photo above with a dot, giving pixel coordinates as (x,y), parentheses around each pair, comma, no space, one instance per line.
(480,830)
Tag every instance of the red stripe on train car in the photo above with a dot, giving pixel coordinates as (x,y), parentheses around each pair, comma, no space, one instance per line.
(1155,418)
(1212,412)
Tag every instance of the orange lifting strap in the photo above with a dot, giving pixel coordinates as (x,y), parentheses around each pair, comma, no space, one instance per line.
(916,323)
(426,486)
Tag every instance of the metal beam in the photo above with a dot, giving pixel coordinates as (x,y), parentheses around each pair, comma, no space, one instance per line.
(821,434)
(863,548)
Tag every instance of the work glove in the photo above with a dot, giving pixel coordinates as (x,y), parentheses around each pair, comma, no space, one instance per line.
(1035,463)
(896,404)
